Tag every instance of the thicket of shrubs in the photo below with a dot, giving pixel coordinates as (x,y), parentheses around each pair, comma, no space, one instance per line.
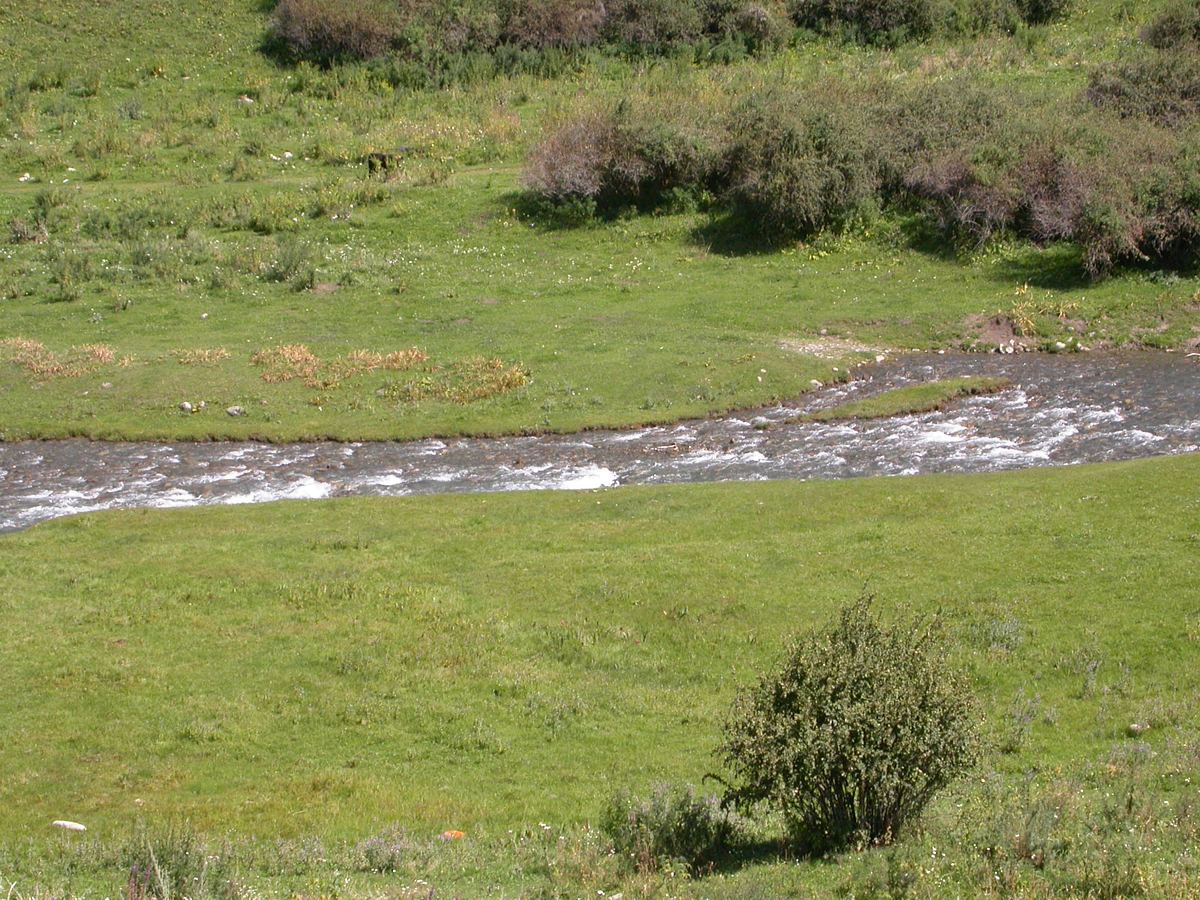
(972,159)
(1161,79)
(431,31)
(438,33)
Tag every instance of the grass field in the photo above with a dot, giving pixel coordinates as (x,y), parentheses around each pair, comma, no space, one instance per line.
(488,663)
(297,699)
(181,204)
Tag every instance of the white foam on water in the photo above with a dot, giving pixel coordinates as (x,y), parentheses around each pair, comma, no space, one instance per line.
(938,437)
(627,436)
(231,475)
(586,478)
(1143,436)
(381,481)
(303,488)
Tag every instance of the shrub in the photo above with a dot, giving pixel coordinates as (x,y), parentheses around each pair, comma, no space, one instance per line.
(795,167)
(1161,85)
(653,24)
(326,31)
(554,23)
(630,155)
(885,22)
(759,26)
(1039,12)
(672,824)
(385,852)
(853,735)
(1176,26)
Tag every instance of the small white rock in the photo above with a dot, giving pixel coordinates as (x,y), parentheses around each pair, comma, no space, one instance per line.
(235,411)
(185,407)
(69,826)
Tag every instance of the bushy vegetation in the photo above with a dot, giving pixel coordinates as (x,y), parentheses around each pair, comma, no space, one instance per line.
(855,733)
(438,34)
(432,32)
(795,166)
(1161,79)
(973,159)
(672,824)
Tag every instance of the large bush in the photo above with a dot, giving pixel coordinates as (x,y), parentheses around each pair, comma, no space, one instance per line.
(795,166)
(1177,26)
(870,21)
(330,30)
(553,23)
(1161,85)
(629,155)
(853,735)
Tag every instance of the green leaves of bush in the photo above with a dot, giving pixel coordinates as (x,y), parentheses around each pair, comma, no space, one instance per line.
(853,735)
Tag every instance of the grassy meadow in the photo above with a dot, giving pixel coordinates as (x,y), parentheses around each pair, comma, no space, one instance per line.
(300,699)
(325,670)
(180,203)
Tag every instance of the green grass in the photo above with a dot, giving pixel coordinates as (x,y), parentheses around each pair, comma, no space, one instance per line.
(174,221)
(491,662)
(903,401)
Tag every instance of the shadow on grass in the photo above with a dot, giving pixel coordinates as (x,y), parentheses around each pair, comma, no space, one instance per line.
(731,234)
(749,852)
(1058,267)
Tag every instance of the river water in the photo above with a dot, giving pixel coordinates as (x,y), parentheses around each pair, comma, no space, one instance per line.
(1062,409)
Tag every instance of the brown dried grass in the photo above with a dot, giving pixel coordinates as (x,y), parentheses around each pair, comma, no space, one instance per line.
(43,363)
(287,362)
(200,356)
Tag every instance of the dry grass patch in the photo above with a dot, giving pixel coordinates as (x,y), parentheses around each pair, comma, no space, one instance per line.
(466,381)
(287,362)
(201,356)
(43,363)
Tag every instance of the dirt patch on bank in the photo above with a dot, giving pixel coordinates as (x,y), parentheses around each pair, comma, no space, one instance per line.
(993,331)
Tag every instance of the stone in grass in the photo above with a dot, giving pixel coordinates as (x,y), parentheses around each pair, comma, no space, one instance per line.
(69,826)
(185,407)
(236,411)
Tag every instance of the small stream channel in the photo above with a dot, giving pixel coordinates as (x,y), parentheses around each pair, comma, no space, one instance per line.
(1061,410)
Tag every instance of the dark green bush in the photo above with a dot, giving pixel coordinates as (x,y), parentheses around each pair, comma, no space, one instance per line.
(326,31)
(626,156)
(796,166)
(1039,12)
(1177,26)
(758,26)
(672,824)
(886,22)
(1161,85)
(853,735)
(553,23)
